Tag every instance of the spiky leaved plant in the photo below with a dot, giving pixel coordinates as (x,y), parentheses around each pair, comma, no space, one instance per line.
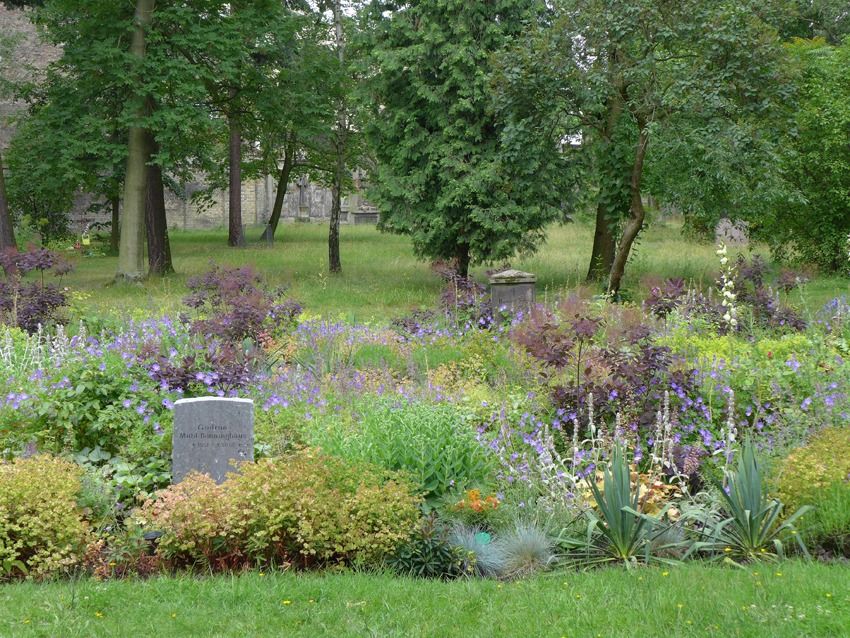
(750,526)
(617,530)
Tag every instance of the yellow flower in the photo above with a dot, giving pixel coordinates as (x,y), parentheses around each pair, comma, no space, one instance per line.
(727,549)
(665,573)
(829,595)
(173,615)
(98,614)
(779,573)
(262,574)
(286,602)
(680,605)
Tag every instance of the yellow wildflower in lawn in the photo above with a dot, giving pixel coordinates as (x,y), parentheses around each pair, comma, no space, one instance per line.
(665,573)
(98,614)
(286,602)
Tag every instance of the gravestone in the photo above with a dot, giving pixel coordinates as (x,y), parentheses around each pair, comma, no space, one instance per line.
(512,289)
(210,434)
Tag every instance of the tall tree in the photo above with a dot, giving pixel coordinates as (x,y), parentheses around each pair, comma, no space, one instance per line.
(452,172)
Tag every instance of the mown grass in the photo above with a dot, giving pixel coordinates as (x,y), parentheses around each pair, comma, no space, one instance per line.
(788,599)
(381,277)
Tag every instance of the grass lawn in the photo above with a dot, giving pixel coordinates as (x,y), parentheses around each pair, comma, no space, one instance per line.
(381,277)
(789,599)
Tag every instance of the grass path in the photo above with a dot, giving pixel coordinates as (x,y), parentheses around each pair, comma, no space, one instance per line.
(790,599)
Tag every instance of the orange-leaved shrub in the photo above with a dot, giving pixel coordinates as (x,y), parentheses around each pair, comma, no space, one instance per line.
(41,525)
(306,509)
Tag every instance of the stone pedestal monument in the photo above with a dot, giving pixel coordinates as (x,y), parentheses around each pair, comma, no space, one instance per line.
(513,290)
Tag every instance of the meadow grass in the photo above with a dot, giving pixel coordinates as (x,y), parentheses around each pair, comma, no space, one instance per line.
(785,599)
(381,276)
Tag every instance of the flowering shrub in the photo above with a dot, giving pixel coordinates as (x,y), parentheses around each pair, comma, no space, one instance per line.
(306,509)
(474,509)
(40,523)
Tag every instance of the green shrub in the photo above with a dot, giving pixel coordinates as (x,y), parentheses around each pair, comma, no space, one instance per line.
(818,474)
(432,552)
(41,524)
(810,469)
(431,443)
(307,508)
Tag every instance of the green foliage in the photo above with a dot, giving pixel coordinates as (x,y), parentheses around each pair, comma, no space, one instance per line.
(816,161)
(827,527)
(432,553)
(306,508)
(86,412)
(41,525)
(751,527)
(454,172)
(431,443)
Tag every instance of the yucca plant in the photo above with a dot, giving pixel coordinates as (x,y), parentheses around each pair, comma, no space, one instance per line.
(617,530)
(750,527)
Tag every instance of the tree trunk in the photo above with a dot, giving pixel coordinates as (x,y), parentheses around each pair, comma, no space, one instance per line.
(608,208)
(159,248)
(235,236)
(636,217)
(282,183)
(7,229)
(115,229)
(334,264)
(132,244)
(604,244)
(462,259)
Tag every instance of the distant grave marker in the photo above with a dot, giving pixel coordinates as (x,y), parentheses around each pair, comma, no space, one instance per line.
(210,434)
(512,289)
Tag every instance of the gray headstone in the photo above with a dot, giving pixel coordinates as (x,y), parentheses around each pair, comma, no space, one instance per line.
(210,433)
(512,289)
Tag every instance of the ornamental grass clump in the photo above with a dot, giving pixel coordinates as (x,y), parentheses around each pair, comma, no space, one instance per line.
(42,530)
(306,510)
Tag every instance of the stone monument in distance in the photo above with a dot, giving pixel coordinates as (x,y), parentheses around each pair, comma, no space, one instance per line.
(210,434)
(512,289)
